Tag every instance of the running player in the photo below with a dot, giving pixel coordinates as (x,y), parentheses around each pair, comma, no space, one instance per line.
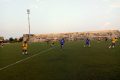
(24,47)
(87,42)
(62,41)
(114,40)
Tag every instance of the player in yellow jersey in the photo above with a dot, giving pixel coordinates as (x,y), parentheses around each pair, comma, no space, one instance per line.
(24,47)
(114,40)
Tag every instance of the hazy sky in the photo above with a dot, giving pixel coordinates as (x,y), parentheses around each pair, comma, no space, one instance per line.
(53,16)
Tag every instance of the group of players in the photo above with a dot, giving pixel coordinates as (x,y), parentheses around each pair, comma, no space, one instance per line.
(112,45)
(25,45)
(62,42)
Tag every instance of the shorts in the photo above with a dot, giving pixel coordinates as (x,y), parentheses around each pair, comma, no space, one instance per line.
(62,44)
(87,43)
(113,44)
(24,49)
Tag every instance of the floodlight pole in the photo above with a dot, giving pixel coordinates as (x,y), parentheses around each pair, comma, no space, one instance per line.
(28,12)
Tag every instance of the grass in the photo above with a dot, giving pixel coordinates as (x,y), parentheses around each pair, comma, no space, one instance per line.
(74,62)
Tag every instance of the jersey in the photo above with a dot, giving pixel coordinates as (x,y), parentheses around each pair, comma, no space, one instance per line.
(87,41)
(24,46)
(62,41)
(114,40)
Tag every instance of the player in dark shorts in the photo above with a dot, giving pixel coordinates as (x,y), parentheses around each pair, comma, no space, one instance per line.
(62,41)
(87,43)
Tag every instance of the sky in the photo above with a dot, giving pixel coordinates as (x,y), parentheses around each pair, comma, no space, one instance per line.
(57,16)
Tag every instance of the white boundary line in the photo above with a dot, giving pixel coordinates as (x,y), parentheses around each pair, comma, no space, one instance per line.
(25,59)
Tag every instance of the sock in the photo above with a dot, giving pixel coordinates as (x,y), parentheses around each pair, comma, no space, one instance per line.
(25,52)
(22,52)
(109,46)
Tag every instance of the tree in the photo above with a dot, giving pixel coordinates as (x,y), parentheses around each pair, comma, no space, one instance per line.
(20,39)
(15,40)
(11,39)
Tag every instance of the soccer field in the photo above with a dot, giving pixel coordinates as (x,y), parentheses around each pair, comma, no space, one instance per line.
(74,62)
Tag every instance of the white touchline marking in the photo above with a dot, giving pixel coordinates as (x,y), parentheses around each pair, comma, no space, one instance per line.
(25,59)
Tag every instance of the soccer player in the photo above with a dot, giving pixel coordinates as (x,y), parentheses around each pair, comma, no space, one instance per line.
(114,40)
(87,42)
(62,41)
(52,44)
(24,47)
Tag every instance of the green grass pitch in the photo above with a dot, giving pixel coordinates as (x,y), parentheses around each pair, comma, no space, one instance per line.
(74,62)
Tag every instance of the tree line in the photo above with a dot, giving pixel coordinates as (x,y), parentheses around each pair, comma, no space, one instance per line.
(13,40)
